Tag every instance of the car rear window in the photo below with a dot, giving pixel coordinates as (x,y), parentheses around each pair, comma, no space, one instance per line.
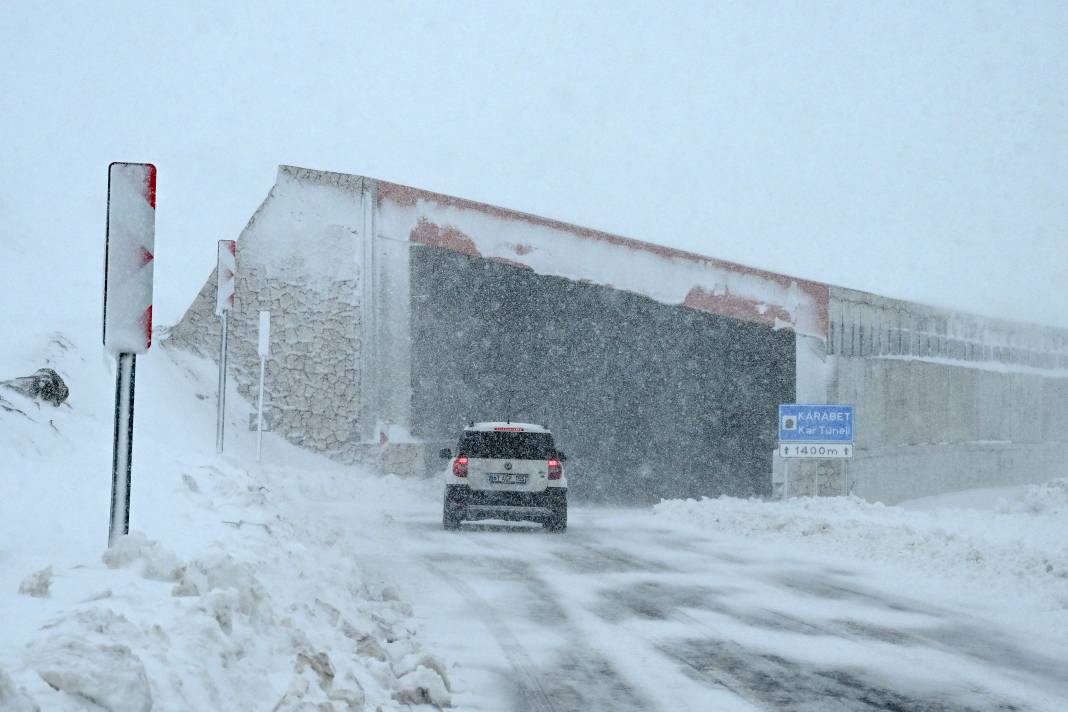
(502,446)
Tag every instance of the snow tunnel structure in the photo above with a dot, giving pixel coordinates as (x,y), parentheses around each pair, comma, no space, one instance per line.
(399,314)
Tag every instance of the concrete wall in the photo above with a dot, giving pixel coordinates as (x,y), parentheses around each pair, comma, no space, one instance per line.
(945,401)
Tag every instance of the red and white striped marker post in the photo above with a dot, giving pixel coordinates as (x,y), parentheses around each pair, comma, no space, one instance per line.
(129,253)
(226,275)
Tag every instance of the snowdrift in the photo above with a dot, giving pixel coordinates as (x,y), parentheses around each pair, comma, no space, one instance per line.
(1009,550)
(232,591)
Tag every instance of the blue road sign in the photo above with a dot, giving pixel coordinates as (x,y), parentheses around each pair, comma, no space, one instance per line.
(815,423)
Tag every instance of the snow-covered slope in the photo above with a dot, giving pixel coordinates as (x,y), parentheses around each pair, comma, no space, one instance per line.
(228,595)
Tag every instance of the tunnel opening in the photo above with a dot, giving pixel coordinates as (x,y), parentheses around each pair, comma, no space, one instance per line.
(648,400)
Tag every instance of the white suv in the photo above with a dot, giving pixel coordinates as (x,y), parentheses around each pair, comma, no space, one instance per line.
(507,471)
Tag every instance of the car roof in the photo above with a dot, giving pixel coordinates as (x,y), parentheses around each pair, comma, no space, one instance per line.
(492,426)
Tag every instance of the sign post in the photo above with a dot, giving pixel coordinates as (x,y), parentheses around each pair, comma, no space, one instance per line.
(786,480)
(128,270)
(816,431)
(224,301)
(263,350)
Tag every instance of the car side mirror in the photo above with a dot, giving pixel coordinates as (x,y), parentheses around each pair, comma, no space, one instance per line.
(445,454)
(561,456)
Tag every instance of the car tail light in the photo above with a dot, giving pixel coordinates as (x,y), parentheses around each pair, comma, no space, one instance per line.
(459,467)
(556,470)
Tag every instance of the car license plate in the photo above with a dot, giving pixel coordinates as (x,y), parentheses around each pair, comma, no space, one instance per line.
(507,478)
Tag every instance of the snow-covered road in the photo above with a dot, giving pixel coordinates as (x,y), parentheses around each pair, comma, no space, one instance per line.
(626,612)
(300,582)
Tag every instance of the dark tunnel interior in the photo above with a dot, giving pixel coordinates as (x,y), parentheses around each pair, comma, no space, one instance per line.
(648,400)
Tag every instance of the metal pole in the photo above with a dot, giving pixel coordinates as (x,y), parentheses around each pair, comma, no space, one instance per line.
(263,349)
(259,417)
(221,399)
(786,478)
(122,451)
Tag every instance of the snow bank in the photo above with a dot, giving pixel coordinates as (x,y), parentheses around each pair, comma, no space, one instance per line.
(241,598)
(1016,553)
(13,698)
(202,634)
(230,593)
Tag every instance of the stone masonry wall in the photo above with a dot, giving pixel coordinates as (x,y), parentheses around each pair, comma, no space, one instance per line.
(299,257)
(312,380)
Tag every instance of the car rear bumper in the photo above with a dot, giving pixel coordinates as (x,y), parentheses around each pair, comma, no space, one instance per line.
(483,504)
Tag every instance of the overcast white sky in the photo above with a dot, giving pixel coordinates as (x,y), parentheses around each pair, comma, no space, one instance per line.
(918,150)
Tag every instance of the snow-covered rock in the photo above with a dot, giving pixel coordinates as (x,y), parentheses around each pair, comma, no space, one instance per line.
(110,676)
(423,685)
(37,584)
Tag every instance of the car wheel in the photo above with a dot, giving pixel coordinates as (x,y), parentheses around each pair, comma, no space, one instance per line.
(452,513)
(557,521)
(451,516)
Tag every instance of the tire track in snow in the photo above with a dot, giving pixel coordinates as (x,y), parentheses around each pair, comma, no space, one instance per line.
(514,652)
(617,558)
(749,676)
(576,676)
(773,682)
